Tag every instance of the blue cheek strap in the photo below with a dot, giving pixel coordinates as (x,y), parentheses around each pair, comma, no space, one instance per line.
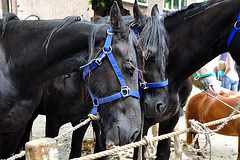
(234,31)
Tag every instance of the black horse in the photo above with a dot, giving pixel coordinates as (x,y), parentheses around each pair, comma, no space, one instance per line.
(197,34)
(26,64)
(65,100)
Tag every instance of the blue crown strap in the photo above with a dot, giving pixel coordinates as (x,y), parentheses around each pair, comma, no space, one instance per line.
(156,85)
(116,69)
(108,40)
(136,30)
(234,31)
(162,16)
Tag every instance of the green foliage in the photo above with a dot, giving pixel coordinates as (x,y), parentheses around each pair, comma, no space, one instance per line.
(103,3)
(89,2)
(142,1)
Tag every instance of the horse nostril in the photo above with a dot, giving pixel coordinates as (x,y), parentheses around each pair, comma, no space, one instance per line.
(159,107)
(211,87)
(134,136)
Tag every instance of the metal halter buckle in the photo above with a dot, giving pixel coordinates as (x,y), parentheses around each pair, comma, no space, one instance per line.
(125,91)
(95,102)
(99,60)
(144,85)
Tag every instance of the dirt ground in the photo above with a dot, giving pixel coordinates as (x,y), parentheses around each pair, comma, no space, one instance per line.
(223,147)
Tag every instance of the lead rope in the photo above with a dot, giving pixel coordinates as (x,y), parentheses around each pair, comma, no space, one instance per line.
(219,100)
(141,135)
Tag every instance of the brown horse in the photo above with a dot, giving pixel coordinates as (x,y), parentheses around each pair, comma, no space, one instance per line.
(204,108)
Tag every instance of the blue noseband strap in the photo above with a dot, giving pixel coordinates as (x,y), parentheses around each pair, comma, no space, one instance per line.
(93,64)
(234,31)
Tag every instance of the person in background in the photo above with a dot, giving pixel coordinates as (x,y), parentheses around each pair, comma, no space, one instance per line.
(238,71)
(221,69)
(230,76)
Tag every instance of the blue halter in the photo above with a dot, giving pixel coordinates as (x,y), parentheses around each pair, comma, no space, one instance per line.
(143,84)
(93,64)
(234,31)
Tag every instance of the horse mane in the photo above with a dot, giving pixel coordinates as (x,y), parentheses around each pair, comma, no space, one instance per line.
(9,17)
(64,23)
(91,42)
(194,9)
(154,34)
(38,18)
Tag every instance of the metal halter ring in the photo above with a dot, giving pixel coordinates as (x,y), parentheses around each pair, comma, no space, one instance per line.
(95,102)
(235,25)
(196,78)
(110,50)
(110,33)
(125,91)
(144,85)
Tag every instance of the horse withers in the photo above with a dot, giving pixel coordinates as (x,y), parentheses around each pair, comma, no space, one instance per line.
(26,64)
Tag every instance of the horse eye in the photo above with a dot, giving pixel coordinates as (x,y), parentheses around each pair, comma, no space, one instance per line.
(129,68)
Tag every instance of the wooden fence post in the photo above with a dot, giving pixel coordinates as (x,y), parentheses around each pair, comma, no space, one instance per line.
(42,149)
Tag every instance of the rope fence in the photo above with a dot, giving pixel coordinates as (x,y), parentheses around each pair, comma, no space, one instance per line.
(147,141)
(157,138)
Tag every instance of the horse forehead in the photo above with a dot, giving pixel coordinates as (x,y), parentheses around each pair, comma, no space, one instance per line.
(127,50)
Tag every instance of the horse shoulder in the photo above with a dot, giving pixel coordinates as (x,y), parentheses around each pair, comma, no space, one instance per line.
(194,106)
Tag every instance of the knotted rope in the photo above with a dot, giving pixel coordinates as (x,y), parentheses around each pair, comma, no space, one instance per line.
(151,151)
(201,129)
(91,117)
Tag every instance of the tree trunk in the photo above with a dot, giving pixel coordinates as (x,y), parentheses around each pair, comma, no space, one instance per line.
(103,11)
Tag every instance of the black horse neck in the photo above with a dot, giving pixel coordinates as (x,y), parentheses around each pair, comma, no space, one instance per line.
(199,39)
(25,47)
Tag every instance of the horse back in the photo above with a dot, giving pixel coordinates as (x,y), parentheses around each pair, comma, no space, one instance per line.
(205,109)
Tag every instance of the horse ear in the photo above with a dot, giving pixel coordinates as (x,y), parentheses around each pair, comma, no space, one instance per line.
(139,17)
(155,12)
(117,23)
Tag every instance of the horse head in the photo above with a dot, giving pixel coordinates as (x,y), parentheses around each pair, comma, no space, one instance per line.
(117,98)
(152,38)
(203,79)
